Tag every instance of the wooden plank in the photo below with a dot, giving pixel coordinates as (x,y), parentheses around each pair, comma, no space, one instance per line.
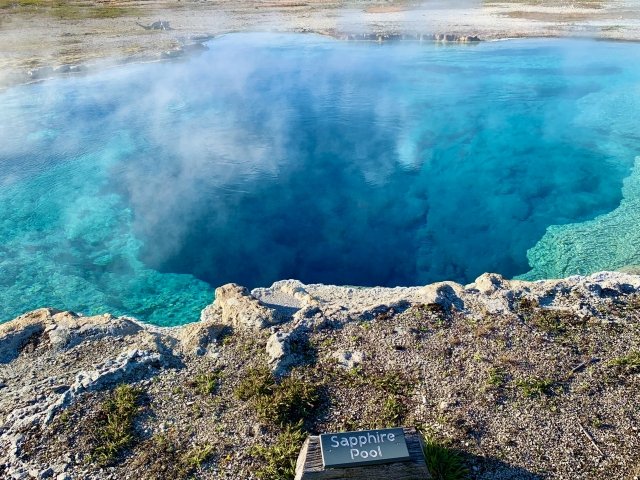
(309,466)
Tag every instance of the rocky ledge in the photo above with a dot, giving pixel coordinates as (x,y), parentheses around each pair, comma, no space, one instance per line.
(506,379)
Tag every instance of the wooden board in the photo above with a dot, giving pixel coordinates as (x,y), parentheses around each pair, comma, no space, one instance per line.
(309,466)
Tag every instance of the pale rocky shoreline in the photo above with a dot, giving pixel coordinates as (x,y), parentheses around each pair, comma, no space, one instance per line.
(526,380)
(40,41)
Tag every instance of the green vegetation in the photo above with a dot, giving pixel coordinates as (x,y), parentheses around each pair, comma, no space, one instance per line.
(206,383)
(387,397)
(280,458)
(64,417)
(552,321)
(290,401)
(424,311)
(535,387)
(115,423)
(633,302)
(390,382)
(497,377)
(286,403)
(630,363)
(279,403)
(395,387)
(555,321)
(164,457)
(443,462)
(393,412)
(256,382)
(24,3)
(526,305)
(195,457)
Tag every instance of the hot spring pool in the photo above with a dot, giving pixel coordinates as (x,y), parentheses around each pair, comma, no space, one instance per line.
(137,190)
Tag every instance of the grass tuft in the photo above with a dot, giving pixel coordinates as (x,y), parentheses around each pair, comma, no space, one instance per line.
(195,457)
(257,382)
(115,423)
(629,363)
(443,462)
(280,458)
(552,321)
(278,403)
(393,412)
(535,387)
(497,377)
(292,400)
(391,382)
(206,383)
(165,456)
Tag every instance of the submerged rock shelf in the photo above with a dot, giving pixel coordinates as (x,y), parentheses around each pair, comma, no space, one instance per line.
(605,242)
(527,380)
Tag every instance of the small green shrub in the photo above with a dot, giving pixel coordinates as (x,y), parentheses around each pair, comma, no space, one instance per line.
(196,456)
(165,456)
(633,303)
(278,403)
(280,458)
(257,382)
(206,383)
(535,387)
(391,382)
(525,304)
(292,400)
(432,308)
(388,395)
(114,430)
(555,322)
(497,377)
(393,412)
(64,417)
(443,462)
(431,312)
(629,363)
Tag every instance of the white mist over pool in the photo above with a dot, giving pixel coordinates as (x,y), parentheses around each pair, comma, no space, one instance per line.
(138,190)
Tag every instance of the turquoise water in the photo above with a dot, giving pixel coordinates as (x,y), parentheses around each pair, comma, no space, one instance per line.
(139,189)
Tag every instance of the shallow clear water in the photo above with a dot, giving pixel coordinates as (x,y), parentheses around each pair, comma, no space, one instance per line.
(139,189)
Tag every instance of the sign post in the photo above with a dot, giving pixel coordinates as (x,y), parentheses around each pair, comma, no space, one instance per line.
(392,453)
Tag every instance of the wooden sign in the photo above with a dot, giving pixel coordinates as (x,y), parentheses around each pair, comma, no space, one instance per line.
(312,458)
(366,447)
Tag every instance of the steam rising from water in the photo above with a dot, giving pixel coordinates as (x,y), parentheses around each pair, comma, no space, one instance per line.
(137,190)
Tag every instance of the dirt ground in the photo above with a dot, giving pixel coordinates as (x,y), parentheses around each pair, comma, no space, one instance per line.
(53,33)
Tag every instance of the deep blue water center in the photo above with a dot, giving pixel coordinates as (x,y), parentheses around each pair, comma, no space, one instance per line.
(139,189)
